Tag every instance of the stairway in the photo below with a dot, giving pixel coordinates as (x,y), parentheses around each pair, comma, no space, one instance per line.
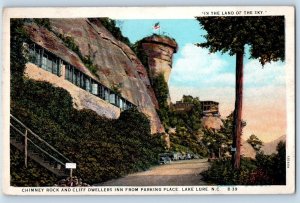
(37,149)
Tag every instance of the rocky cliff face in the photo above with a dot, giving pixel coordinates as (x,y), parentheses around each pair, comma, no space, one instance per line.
(159,51)
(212,122)
(116,63)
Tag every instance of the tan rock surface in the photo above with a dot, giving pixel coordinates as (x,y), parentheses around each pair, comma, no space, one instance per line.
(115,61)
(81,98)
(159,50)
(212,122)
(247,150)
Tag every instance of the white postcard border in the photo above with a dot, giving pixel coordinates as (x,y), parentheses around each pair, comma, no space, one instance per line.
(160,13)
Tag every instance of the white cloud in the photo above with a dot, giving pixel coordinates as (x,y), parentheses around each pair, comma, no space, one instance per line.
(272,74)
(198,68)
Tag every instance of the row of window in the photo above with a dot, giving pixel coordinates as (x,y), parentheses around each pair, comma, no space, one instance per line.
(51,63)
(44,60)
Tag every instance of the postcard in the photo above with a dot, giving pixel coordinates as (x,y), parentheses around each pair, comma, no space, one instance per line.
(149,100)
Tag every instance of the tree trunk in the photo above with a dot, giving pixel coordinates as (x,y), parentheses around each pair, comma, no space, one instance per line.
(237,119)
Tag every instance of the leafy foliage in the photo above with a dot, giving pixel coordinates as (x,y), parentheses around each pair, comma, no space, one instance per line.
(189,119)
(140,53)
(112,27)
(222,173)
(87,60)
(188,128)
(272,167)
(43,22)
(219,142)
(263,170)
(160,87)
(255,142)
(17,38)
(102,148)
(70,43)
(264,35)
(90,65)
(116,88)
(33,175)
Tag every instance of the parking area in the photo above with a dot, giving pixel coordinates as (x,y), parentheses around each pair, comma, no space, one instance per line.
(183,173)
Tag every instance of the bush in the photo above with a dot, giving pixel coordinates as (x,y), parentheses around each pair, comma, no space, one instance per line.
(43,22)
(263,170)
(33,175)
(222,173)
(111,26)
(102,148)
(87,61)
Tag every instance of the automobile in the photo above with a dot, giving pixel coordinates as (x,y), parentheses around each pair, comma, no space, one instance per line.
(175,156)
(188,156)
(164,160)
(181,157)
(195,156)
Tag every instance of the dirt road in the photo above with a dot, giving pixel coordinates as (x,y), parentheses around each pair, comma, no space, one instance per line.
(181,173)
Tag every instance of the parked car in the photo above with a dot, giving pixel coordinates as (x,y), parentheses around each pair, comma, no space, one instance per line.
(188,156)
(181,157)
(195,156)
(175,156)
(164,160)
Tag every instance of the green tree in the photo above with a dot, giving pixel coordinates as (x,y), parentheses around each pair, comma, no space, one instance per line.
(264,35)
(160,87)
(255,142)
(219,141)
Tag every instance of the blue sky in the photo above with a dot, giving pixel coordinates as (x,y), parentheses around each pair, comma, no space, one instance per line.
(184,31)
(201,68)
(208,76)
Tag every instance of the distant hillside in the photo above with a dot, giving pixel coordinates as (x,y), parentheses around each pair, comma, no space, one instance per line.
(247,149)
(270,147)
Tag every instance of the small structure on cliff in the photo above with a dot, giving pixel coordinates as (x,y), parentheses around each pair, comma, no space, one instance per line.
(210,108)
(210,112)
(181,106)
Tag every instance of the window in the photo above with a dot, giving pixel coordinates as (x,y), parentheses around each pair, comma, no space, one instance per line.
(68,73)
(118,98)
(106,94)
(94,88)
(121,104)
(101,91)
(44,61)
(87,83)
(76,77)
(55,66)
(82,81)
(51,63)
(112,98)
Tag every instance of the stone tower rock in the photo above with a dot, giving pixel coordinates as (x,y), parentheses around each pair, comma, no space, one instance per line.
(159,51)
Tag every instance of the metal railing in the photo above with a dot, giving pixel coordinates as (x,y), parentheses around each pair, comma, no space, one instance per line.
(36,143)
